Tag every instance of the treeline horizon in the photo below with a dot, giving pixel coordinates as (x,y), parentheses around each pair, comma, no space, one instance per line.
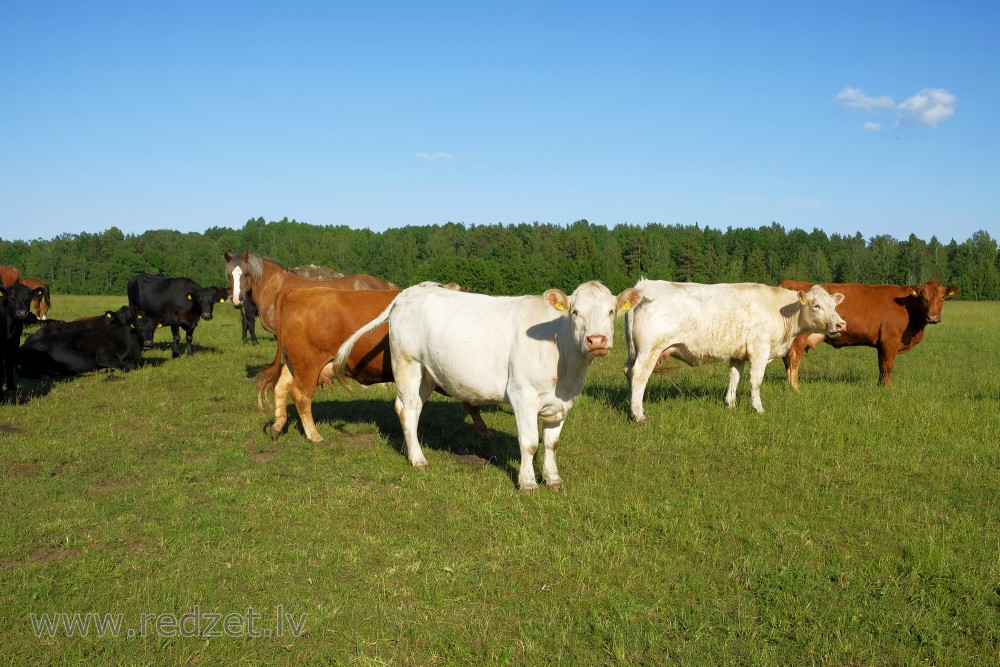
(514,259)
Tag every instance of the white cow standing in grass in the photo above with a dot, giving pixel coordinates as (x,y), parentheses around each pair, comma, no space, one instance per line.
(702,323)
(531,352)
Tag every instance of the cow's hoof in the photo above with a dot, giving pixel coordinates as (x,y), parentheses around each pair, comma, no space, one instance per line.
(274,432)
(528,489)
(554,484)
(420,465)
(641,419)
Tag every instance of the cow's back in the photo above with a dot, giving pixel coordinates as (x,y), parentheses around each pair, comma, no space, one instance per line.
(702,323)
(317,320)
(871,312)
(469,344)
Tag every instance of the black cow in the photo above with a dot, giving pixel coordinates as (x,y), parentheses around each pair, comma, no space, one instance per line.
(15,304)
(248,318)
(121,315)
(109,341)
(175,302)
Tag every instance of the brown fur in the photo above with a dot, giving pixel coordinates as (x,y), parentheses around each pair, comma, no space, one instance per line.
(9,275)
(890,318)
(265,279)
(40,305)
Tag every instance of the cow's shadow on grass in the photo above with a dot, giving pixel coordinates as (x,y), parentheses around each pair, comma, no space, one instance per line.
(445,426)
(659,390)
(30,389)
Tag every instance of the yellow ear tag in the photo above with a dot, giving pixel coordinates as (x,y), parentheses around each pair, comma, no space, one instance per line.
(189,297)
(913,292)
(628,304)
(802,300)
(559,306)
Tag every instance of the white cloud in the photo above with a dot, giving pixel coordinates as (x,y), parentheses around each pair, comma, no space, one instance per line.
(434,156)
(930,106)
(855,98)
(872,126)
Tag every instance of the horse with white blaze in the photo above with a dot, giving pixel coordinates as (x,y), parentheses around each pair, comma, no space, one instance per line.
(531,352)
(736,321)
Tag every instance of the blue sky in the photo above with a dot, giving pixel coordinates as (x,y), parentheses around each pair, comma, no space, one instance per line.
(879,118)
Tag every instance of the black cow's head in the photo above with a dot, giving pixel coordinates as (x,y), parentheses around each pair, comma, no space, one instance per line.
(17,298)
(205,299)
(144,327)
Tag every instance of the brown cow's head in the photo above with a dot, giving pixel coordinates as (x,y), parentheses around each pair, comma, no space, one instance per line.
(931,297)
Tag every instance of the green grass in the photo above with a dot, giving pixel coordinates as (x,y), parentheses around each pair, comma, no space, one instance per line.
(848,525)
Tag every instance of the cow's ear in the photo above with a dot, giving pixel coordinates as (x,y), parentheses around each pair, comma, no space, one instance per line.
(952,291)
(557,299)
(627,299)
(838,298)
(913,291)
(802,297)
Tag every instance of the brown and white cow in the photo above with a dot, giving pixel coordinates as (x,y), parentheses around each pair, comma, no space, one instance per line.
(890,318)
(311,324)
(531,352)
(738,322)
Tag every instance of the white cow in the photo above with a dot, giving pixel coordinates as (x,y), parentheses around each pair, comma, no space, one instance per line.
(529,351)
(740,322)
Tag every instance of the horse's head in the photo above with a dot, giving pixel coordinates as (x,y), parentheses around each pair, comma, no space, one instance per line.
(240,275)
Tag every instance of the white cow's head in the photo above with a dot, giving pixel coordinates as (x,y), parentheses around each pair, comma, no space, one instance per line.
(591,309)
(819,312)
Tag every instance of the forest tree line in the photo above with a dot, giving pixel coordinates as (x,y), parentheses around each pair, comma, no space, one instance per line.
(514,259)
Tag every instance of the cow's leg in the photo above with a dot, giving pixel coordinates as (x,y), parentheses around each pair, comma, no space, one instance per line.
(189,339)
(281,388)
(793,359)
(638,377)
(886,360)
(758,364)
(526,418)
(176,334)
(477,421)
(735,372)
(411,394)
(550,438)
(303,388)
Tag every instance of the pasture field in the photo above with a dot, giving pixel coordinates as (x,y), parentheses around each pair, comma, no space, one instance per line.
(848,525)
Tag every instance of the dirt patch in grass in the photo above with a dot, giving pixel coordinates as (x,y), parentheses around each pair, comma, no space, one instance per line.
(360,440)
(104,488)
(472,460)
(31,468)
(53,554)
(259,454)
(8,428)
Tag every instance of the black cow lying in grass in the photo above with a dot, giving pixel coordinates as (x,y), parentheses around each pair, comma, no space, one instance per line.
(15,312)
(112,341)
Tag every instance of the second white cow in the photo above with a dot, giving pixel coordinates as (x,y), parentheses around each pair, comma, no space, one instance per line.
(736,321)
(531,352)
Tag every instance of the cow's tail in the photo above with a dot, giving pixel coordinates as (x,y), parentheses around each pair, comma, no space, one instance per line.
(340,360)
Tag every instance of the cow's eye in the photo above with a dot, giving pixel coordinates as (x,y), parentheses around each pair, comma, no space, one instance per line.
(575,313)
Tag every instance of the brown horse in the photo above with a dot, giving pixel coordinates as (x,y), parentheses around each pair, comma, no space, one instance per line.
(40,304)
(265,279)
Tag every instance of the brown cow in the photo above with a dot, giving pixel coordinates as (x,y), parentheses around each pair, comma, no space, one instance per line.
(41,304)
(890,318)
(312,323)
(8,275)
